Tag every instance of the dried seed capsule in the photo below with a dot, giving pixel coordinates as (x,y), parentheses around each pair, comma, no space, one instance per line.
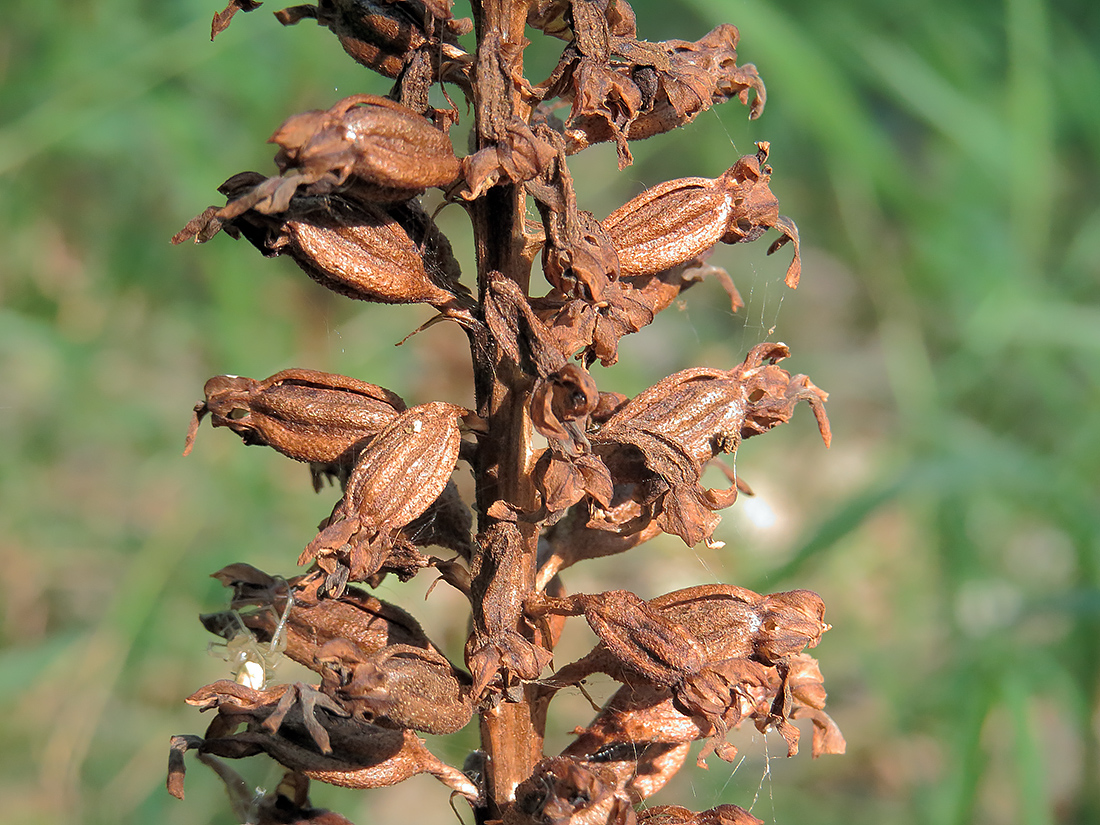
(304,414)
(398,476)
(366,255)
(400,686)
(676,221)
(391,253)
(672,429)
(370,137)
(407,465)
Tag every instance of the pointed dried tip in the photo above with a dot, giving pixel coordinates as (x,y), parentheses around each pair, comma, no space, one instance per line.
(816,398)
(176,767)
(221,19)
(193,429)
(790,233)
(202,227)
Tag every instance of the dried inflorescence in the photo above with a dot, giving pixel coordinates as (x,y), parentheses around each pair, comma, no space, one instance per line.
(564,468)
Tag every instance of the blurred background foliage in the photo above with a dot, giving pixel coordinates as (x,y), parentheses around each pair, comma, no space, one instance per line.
(941,159)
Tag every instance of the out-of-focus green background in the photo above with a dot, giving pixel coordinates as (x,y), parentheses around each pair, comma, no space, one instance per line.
(941,160)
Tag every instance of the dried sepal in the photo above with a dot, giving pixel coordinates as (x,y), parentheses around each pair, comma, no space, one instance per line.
(518,155)
(307,415)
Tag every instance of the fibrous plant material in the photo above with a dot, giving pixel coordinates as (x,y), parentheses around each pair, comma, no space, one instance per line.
(607,473)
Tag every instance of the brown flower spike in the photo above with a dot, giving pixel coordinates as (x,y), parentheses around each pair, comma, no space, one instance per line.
(555,467)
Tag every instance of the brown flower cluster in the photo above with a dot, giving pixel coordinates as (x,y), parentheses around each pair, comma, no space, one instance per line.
(564,471)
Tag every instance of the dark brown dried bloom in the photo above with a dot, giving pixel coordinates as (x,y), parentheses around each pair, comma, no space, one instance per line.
(671,637)
(707,644)
(625,89)
(399,686)
(308,732)
(311,416)
(385,35)
(562,791)
(267,605)
(666,435)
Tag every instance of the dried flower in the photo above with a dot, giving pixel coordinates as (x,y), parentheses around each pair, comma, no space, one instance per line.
(674,222)
(660,440)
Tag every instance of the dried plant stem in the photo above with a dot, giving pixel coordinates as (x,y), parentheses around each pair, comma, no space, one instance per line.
(511,737)
(607,474)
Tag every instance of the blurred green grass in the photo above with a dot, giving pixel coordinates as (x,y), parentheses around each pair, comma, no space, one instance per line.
(941,160)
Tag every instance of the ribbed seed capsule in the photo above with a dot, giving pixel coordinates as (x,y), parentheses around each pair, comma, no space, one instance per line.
(371,258)
(304,414)
(673,222)
(373,138)
(406,466)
